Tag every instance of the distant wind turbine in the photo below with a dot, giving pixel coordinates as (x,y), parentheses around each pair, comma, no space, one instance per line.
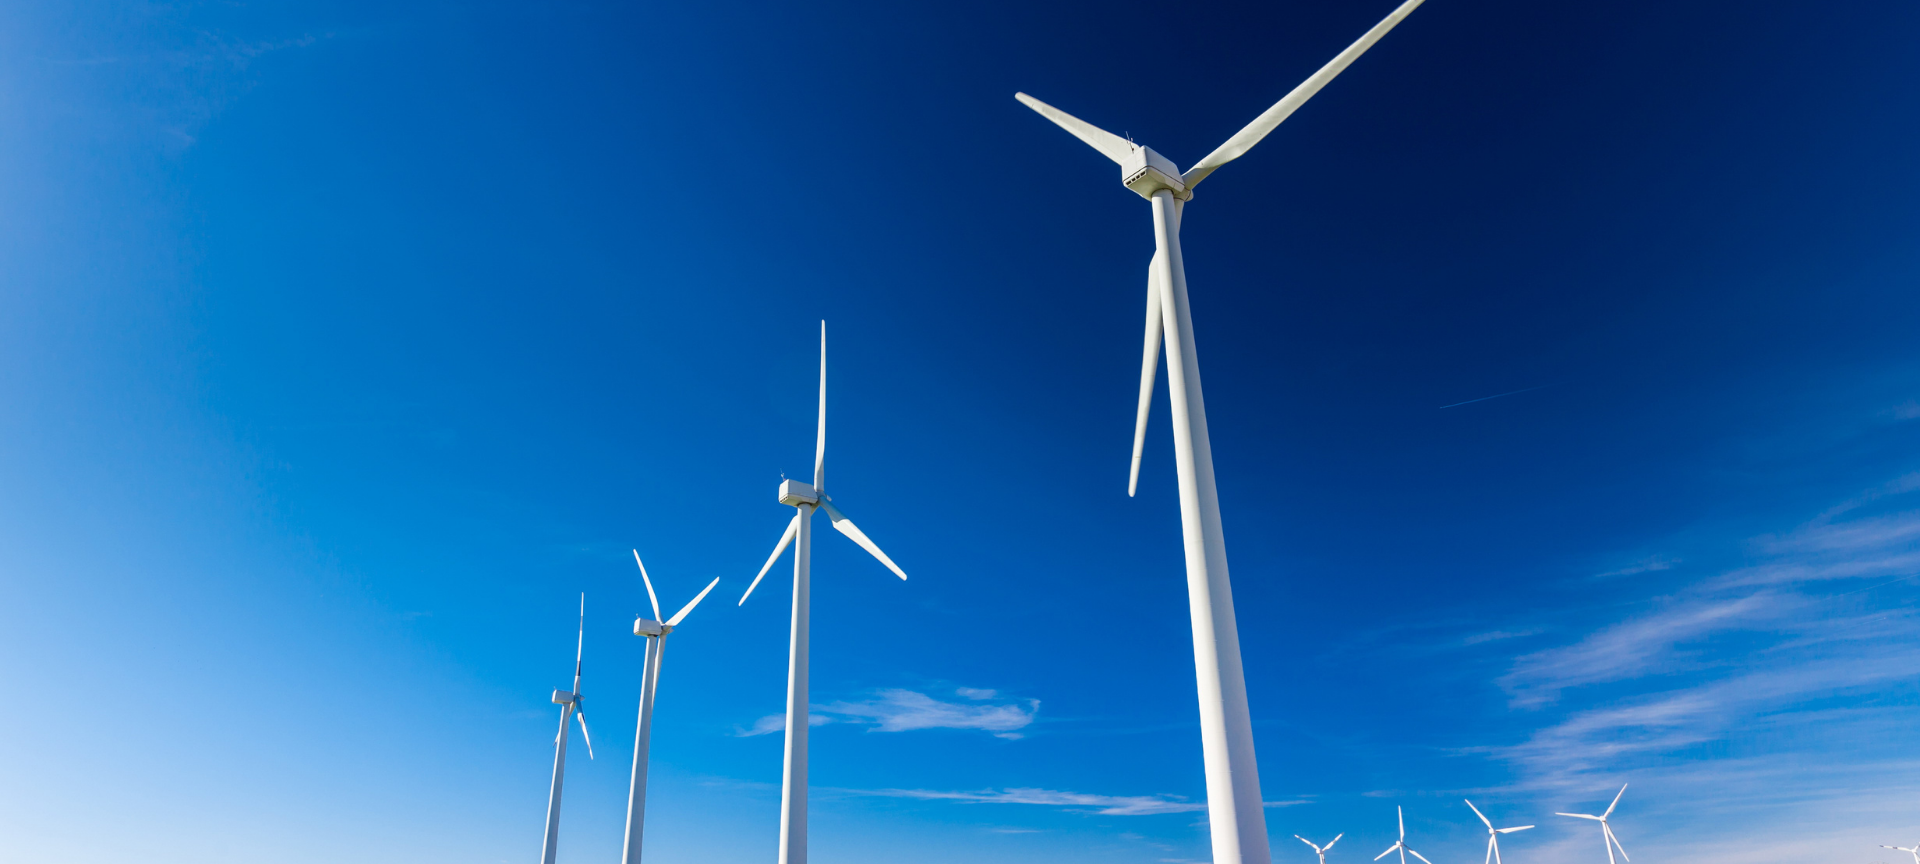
(1322,850)
(1237,823)
(1493,834)
(1606,828)
(656,632)
(569,702)
(1400,844)
(1913,850)
(805,499)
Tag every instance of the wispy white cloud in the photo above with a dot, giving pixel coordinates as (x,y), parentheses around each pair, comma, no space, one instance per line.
(1639,646)
(1104,805)
(1762,651)
(1652,564)
(900,710)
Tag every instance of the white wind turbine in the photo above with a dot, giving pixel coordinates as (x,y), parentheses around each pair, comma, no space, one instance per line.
(569,702)
(1913,850)
(1321,850)
(1606,828)
(1493,834)
(1234,815)
(1400,844)
(656,632)
(805,499)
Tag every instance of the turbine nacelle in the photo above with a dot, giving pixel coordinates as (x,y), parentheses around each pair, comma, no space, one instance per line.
(1146,172)
(562,697)
(647,627)
(794,493)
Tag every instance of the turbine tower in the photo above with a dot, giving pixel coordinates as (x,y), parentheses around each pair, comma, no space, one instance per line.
(1493,834)
(569,702)
(1321,850)
(1400,844)
(1234,814)
(656,632)
(1606,828)
(805,499)
(1913,850)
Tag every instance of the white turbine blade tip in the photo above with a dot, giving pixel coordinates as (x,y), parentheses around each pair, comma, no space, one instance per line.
(1476,812)
(682,614)
(1243,140)
(845,526)
(1616,801)
(793,527)
(644,580)
(1110,145)
(584,735)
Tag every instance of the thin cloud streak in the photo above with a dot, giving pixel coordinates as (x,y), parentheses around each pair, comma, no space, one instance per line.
(1496,396)
(1757,653)
(900,710)
(1102,805)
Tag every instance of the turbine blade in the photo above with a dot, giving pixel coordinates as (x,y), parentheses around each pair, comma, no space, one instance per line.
(1306,841)
(820,440)
(580,645)
(649,583)
(1616,843)
(1493,843)
(582,717)
(1402,813)
(1511,830)
(677,616)
(1336,839)
(1386,853)
(1243,140)
(1476,812)
(1149,365)
(1579,816)
(1616,801)
(1417,855)
(793,528)
(1110,145)
(845,526)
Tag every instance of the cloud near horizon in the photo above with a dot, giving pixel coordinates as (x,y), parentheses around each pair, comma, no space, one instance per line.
(1779,645)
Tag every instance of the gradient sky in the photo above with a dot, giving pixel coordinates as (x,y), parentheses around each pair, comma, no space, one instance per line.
(342,345)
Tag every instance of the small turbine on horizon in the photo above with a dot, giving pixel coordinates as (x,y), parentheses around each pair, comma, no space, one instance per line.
(569,702)
(1400,844)
(805,499)
(1913,850)
(656,632)
(1493,834)
(1322,850)
(1606,828)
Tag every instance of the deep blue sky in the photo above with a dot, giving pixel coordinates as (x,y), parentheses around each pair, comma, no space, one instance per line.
(342,345)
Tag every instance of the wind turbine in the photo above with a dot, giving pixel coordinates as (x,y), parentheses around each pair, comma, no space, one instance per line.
(805,499)
(569,702)
(1493,834)
(1321,850)
(1234,814)
(1606,828)
(1400,844)
(656,632)
(1913,850)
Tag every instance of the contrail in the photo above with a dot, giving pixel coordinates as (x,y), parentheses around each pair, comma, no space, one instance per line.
(1494,396)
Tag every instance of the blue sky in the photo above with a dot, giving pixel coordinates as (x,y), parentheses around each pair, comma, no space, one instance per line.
(343,345)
